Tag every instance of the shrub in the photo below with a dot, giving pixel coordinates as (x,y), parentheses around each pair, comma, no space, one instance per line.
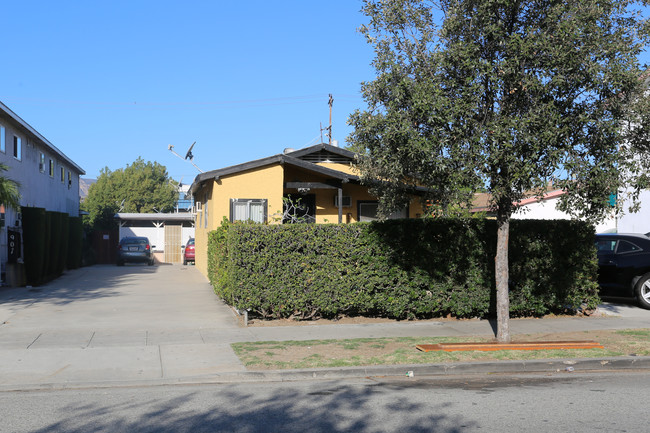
(401,268)
(34,224)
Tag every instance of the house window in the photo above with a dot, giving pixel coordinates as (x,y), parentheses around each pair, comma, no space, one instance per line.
(41,162)
(18,148)
(2,138)
(51,168)
(368,212)
(254,210)
(62,175)
(69,179)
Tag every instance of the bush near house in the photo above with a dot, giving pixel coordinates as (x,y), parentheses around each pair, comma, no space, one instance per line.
(401,269)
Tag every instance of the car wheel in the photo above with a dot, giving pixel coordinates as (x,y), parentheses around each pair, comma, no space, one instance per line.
(643,291)
(184,262)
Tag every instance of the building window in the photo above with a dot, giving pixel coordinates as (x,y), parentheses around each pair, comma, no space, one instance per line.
(368,211)
(254,210)
(18,148)
(41,162)
(51,168)
(2,138)
(62,175)
(69,179)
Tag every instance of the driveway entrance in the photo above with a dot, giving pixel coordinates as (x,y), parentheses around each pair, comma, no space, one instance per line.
(113,324)
(125,298)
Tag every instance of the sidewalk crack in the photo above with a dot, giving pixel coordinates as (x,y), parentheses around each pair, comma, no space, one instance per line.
(91,339)
(39,336)
(162,368)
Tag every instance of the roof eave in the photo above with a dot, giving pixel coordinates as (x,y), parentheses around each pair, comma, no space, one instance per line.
(39,137)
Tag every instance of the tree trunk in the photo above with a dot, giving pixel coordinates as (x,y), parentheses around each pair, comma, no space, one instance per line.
(502,276)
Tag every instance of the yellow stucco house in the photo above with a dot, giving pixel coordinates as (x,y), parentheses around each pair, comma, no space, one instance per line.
(320,180)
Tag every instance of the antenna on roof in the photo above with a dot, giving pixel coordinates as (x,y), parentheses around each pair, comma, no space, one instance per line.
(188,156)
(329,128)
(330,103)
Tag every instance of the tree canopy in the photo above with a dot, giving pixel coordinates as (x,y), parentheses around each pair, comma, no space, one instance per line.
(141,187)
(506,95)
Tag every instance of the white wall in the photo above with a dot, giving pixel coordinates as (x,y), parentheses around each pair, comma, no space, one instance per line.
(636,222)
(547,210)
(156,235)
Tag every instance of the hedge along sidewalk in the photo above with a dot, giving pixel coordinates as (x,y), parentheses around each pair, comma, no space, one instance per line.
(399,269)
(277,355)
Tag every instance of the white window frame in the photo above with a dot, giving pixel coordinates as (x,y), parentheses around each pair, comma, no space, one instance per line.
(3,138)
(248,202)
(18,148)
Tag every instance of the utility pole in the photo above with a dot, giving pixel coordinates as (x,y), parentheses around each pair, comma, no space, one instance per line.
(330,103)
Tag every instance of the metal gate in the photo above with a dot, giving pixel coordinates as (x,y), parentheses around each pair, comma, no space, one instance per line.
(173,243)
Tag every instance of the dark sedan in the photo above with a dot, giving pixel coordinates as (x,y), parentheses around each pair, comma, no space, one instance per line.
(135,250)
(624,266)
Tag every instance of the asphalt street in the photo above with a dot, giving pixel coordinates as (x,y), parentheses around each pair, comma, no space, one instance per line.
(613,402)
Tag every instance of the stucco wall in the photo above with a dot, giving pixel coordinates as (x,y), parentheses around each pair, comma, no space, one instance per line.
(262,183)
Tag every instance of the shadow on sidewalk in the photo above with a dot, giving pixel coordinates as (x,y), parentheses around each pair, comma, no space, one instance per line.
(89,282)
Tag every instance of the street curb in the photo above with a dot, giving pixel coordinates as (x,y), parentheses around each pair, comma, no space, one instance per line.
(567,366)
(450,369)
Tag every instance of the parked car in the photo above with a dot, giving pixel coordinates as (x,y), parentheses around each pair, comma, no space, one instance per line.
(135,250)
(624,266)
(188,253)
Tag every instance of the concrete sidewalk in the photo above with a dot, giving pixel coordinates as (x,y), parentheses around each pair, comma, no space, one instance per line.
(109,326)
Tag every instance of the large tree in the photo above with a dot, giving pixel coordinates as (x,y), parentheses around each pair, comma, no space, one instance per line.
(506,95)
(139,188)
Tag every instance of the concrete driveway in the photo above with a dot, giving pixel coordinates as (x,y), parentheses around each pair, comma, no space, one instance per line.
(109,323)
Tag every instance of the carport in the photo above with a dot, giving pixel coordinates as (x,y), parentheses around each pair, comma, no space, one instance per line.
(167,231)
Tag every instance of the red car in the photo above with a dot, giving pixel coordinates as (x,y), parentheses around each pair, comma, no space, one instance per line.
(188,252)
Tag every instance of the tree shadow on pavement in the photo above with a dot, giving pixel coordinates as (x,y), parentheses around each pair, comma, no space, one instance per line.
(92,282)
(341,408)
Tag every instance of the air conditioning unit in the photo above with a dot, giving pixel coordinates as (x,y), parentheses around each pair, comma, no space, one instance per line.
(347,201)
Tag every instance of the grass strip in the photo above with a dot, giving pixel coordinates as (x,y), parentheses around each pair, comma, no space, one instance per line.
(278,355)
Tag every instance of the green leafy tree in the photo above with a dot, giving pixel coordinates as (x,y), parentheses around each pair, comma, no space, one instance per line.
(139,188)
(9,190)
(506,95)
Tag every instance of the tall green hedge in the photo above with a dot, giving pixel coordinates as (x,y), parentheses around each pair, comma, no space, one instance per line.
(34,222)
(414,268)
(75,242)
(47,240)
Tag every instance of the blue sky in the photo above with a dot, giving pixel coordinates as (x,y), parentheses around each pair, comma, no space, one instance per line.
(109,81)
